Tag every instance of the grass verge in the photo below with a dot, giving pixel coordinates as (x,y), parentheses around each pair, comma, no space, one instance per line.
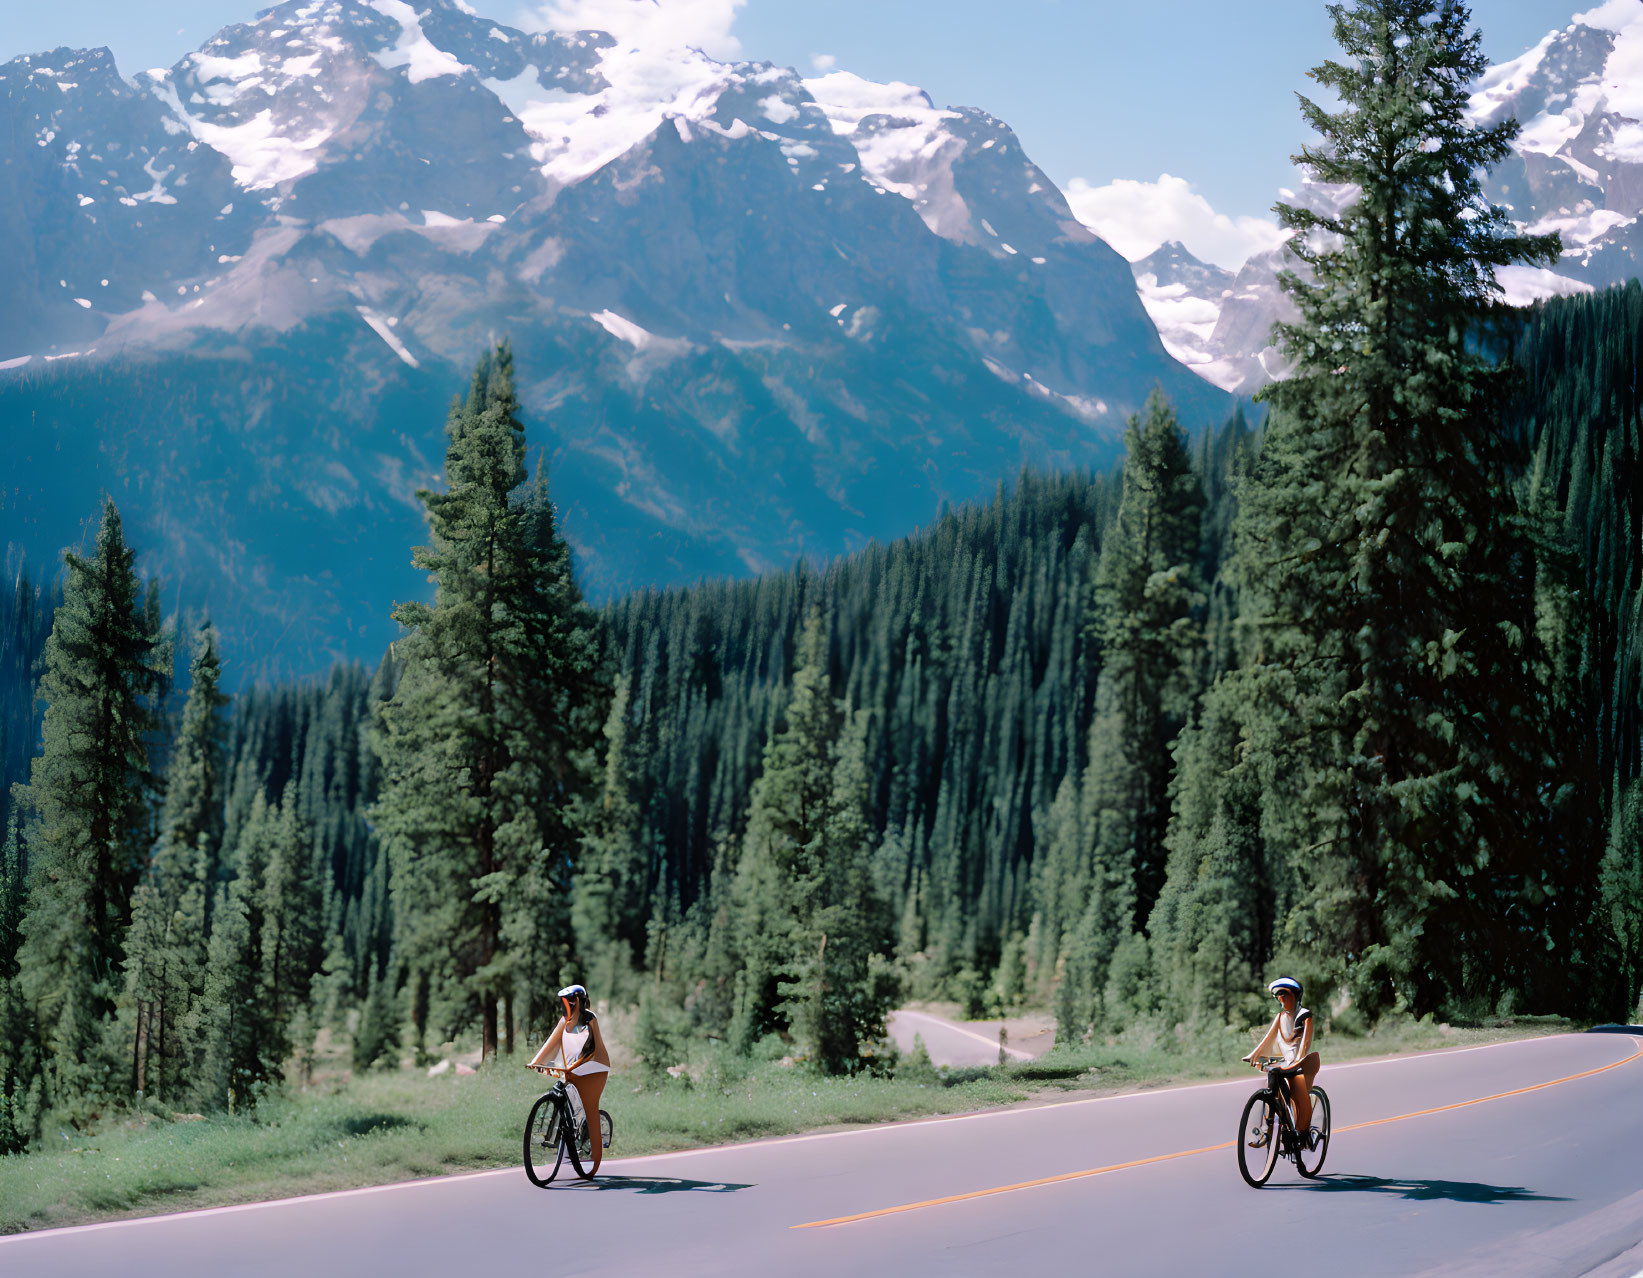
(400,1125)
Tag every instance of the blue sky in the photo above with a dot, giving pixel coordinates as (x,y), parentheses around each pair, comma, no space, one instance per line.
(1099,92)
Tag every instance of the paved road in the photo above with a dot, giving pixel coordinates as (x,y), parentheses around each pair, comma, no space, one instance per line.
(1544,1179)
(952,1043)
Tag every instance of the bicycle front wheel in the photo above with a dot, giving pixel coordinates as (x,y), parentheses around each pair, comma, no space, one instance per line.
(581,1148)
(544,1150)
(1309,1162)
(1257,1141)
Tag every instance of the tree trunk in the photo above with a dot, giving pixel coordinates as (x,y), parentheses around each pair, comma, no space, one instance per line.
(507,1024)
(139,1060)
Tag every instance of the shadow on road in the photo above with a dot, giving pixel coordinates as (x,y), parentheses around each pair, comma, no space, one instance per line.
(1454,1191)
(653,1185)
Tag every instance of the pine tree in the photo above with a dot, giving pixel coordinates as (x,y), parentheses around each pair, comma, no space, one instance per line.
(608,895)
(806,920)
(486,743)
(1391,585)
(557,698)
(244,1047)
(88,795)
(292,944)
(378,1031)
(1148,598)
(1213,928)
(234,1066)
(166,951)
(20,1079)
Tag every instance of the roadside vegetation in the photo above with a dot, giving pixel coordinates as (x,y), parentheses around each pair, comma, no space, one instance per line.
(347,1130)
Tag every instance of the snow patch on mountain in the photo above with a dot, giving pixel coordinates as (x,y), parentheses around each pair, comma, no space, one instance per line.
(578,134)
(260,154)
(623,329)
(420,57)
(905,144)
(383,327)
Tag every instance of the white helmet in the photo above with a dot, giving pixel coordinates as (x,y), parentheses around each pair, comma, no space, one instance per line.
(1286,983)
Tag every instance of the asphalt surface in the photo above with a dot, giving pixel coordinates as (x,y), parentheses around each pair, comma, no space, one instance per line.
(950,1043)
(1545,1178)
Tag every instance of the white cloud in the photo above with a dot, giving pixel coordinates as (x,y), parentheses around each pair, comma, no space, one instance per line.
(823,61)
(649,24)
(1136,217)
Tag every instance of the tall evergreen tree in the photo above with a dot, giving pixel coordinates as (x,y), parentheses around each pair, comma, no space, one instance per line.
(233,1023)
(293,945)
(1396,735)
(1148,600)
(243,1047)
(608,906)
(20,1080)
(485,742)
(89,795)
(1213,929)
(556,698)
(166,951)
(806,919)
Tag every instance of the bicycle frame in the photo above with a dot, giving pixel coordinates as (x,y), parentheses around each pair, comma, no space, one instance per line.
(1277,1082)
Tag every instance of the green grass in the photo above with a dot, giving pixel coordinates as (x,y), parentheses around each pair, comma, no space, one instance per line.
(400,1125)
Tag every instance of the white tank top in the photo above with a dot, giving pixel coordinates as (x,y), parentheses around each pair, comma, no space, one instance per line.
(1292,1032)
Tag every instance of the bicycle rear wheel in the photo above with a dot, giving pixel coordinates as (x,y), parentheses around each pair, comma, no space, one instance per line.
(606,1130)
(1257,1141)
(1309,1162)
(544,1148)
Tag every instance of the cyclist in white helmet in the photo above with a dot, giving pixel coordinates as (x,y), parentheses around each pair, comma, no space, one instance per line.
(1291,1034)
(581,1048)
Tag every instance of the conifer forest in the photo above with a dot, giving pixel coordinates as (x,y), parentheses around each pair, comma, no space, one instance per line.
(1349,685)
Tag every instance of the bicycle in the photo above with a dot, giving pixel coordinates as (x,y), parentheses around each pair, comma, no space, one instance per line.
(553,1127)
(1266,1126)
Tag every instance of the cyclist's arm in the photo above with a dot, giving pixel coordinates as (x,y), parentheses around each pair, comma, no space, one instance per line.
(1264,1047)
(555,1041)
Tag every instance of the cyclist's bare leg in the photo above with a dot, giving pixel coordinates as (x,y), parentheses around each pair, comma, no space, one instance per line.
(591,1087)
(1301,1089)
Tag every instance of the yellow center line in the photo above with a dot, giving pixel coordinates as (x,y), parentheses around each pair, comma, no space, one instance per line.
(1637,1050)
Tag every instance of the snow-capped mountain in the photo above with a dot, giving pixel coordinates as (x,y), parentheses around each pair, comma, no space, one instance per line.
(756,315)
(1577,164)
(1576,168)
